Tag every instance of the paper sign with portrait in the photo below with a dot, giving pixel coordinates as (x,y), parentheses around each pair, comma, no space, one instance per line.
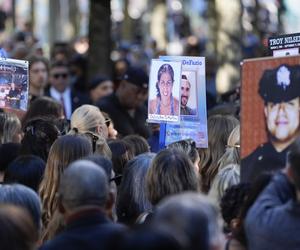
(13,84)
(164,92)
(193,118)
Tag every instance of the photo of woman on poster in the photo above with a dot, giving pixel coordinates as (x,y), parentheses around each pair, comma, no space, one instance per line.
(164,103)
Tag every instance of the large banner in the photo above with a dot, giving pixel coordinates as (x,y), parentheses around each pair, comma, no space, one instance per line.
(193,116)
(13,84)
(269,113)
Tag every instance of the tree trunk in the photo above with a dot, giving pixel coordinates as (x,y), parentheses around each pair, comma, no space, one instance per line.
(99,38)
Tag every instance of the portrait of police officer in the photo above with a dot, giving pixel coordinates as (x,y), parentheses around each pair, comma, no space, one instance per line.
(280,90)
(185,95)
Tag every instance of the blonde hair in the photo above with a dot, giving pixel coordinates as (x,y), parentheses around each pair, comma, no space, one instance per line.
(86,118)
(232,152)
(10,125)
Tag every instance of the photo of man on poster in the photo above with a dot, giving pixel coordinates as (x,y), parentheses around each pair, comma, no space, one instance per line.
(14,96)
(280,90)
(185,95)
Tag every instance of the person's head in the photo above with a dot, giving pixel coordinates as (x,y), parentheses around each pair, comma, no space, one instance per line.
(192,219)
(232,151)
(112,132)
(122,152)
(39,135)
(279,89)
(43,106)
(99,87)
(132,200)
(59,75)
(225,178)
(231,203)
(27,170)
(106,164)
(88,118)
(188,146)
(139,144)
(171,172)
(38,72)
(10,128)
(185,90)
(22,196)
(8,152)
(64,150)
(165,80)
(219,128)
(133,89)
(17,230)
(78,191)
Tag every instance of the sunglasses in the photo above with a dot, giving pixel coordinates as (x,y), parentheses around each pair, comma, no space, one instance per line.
(94,138)
(107,122)
(62,75)
(117,179)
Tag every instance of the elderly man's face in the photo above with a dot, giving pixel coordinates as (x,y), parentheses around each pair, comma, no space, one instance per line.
(185,92)
(283,119)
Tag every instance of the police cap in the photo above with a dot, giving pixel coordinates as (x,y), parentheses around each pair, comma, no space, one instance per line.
(281,84)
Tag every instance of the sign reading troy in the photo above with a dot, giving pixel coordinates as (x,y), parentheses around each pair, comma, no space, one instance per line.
(284,42)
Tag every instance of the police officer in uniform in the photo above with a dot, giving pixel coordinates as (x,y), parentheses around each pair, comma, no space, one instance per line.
(280,90)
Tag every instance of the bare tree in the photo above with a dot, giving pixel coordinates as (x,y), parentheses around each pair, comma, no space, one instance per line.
(99,38)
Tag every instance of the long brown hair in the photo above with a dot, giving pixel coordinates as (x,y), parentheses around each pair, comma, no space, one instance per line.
(219,129)
(64,150)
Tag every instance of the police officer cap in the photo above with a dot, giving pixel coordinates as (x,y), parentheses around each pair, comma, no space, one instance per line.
(281,84)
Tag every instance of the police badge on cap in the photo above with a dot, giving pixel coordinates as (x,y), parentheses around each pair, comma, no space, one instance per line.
(281,84)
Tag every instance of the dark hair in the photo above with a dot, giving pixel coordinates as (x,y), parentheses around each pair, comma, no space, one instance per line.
(27,170)
(256,188)
(24,197)
(165,68)
(139,144)
(103,162)
(39,135)
(43,106)
(34,59)
(8,152)
(232,201)
(293,159)
(132,200)
(171,172)
(17,230)
(188,146)
(121,153)
(59,63)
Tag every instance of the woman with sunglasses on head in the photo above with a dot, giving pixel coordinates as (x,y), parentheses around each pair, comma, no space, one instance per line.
(89,120)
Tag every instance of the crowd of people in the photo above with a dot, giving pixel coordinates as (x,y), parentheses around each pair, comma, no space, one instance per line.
(82,169)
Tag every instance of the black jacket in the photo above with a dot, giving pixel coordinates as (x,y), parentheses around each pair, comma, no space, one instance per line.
(87,231)
(123,122)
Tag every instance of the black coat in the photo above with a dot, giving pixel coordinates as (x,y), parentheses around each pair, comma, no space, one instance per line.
(264,158)
(90,230)
(123,122)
